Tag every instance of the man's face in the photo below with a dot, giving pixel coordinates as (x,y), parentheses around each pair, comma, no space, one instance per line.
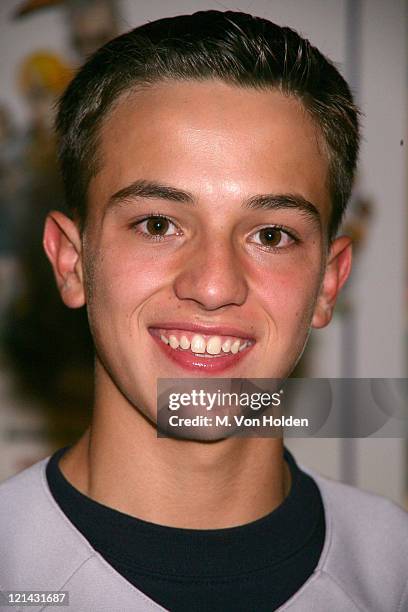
(205,244)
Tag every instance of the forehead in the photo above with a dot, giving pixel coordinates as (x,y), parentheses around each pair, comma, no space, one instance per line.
(213,139)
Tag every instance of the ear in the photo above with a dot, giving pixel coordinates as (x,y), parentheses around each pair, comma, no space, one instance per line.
(337,271)
(62,244)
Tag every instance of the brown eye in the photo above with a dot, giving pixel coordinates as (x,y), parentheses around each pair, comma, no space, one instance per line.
(157,226)
(273,237)
(270,236)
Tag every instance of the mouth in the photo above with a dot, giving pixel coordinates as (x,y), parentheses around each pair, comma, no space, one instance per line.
(202,349)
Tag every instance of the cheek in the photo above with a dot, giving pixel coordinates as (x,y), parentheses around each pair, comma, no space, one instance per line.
(120,284)
(288,296)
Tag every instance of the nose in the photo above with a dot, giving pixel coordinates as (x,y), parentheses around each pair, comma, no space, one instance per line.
(213,275)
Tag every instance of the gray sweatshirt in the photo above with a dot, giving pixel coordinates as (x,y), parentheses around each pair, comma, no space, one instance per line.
(363,565)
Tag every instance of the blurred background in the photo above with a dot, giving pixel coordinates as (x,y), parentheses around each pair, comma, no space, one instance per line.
(45,349)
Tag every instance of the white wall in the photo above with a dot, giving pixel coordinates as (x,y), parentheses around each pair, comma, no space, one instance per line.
(381,279)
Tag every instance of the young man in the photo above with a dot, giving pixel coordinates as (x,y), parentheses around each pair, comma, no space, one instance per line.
(207,160)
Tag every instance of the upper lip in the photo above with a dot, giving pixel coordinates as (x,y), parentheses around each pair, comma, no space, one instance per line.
(202,328)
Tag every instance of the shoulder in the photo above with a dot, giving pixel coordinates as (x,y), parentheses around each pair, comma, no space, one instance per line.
(369,505)
(366,548)
(19,494)
(35,534)
(41,550)
(367,513)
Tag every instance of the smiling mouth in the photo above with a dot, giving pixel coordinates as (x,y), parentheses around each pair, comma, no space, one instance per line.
(194,350)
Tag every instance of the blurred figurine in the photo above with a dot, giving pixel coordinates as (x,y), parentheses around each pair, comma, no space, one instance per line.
(43,76)
(12,197)
(55,371)
(11,182)
(92,23)
(47,346)
(357,223)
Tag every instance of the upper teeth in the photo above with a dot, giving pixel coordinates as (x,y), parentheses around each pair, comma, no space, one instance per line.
(198,344)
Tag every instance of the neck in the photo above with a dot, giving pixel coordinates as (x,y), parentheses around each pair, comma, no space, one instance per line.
(121,463)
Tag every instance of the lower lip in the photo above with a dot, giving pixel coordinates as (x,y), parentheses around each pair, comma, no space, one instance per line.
(193,363)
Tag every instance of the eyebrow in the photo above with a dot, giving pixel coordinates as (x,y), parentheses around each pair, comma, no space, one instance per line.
(154,190)
(150,190)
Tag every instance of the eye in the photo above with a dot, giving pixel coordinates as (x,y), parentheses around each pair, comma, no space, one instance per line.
(156,226)
(274,237)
